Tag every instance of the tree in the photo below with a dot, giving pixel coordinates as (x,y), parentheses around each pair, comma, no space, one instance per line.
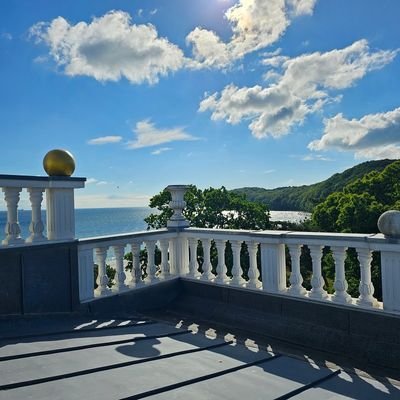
(212,208)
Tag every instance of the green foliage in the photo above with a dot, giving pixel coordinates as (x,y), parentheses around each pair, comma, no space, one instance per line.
(212,208)
(305,198)
(358,207)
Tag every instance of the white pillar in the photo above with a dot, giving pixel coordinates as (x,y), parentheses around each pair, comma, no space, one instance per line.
(136,273)
(340,285)
(366,288)
(36,226)
(151,266)
(119,279)
(207,274)
(164,259)
(317,281)
(102,278)
(236,268)
(390,263)
(179,256)
(60,214)
(12,229)
(296,279)
(86,281)
(222,276)
(273,267)
(193,264)
(253,274)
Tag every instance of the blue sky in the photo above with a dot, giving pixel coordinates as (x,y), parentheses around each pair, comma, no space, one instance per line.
(210,92)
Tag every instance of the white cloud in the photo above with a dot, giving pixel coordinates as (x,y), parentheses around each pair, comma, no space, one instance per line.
(95,181)
(269,171)
(148,135)
(109,48)
(161,150)
(255,24)
(306,84)
(105,140)
(373,136)
(315,157)
(6,36)
(154,11)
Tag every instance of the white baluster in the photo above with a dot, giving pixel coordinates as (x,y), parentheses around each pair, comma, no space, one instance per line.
(236,268)
(164,244)
(119,279)
(136,272)
(340,285)
(102,278)
(221,267)
(366,288)
(151,266)
(296,279)
(36,226)
(317,280)
(193,264)
(12,229)
(253,273)
(207,274)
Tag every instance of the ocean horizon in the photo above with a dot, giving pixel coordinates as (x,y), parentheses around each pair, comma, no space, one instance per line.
(92,222)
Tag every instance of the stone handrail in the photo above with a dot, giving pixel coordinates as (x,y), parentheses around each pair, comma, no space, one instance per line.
(59,207)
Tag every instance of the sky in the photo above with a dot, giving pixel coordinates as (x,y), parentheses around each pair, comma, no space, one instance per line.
(237,93)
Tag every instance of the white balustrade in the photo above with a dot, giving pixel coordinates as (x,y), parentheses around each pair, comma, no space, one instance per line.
(110,252)
(60,209)
(178,247)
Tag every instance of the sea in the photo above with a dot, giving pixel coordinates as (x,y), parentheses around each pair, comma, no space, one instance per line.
(92,222)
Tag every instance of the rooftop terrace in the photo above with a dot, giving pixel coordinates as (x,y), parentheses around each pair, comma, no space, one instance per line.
(203,333)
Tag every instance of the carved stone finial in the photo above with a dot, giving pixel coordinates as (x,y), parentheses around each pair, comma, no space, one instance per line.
(177,204)
(389,223)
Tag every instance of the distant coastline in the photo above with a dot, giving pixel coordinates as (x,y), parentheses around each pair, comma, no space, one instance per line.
(91,222)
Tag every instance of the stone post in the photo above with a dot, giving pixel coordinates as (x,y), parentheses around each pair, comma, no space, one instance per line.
(178,247)
(389,225)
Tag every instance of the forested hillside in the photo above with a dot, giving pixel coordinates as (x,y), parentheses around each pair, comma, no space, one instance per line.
(305,198)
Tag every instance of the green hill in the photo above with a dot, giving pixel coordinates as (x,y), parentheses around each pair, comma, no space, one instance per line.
(306,197)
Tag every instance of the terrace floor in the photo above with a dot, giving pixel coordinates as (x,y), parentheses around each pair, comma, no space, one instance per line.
(135,357)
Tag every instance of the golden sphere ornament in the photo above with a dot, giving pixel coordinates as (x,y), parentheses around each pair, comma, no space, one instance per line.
(59,163)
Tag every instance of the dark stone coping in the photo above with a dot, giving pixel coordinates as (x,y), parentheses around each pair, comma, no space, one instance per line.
(42,178)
